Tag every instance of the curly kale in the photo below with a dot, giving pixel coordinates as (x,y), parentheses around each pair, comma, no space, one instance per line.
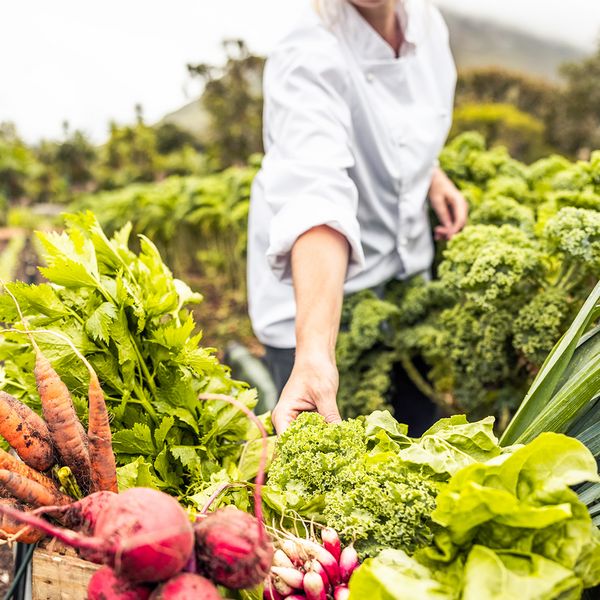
(369,497)
(506,287)
(490,263)
(540,323)
(574,234)
(503,210)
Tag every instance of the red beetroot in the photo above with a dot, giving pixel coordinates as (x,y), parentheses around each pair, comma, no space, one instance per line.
(80,515)
(105,585)
(186,586)
(143,534)
(331,542)
(232,548)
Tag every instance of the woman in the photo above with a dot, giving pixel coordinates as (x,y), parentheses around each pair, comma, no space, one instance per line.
(358,104)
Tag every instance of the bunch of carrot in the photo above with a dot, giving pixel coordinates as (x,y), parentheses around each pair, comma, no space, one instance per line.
(57,438)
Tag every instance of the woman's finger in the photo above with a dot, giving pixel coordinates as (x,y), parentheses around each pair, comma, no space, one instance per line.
(460,211)
(438,203)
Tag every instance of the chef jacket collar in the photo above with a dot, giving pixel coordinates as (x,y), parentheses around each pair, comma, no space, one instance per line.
(369,45)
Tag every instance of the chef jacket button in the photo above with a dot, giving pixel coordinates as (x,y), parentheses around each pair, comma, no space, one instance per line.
(403,241)
(370,77)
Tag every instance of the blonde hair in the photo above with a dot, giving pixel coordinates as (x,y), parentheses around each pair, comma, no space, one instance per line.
(328,10)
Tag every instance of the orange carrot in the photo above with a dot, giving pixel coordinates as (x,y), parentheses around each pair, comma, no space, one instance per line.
(29,491)
(102,458)
(10,463)
(26,432)
(14,530)
(65,428)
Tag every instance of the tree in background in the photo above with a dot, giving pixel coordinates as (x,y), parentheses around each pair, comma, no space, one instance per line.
(579,128)
(504,125)
(18,164)
(233,98)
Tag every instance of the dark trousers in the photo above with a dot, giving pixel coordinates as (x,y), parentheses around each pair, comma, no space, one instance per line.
(279,362)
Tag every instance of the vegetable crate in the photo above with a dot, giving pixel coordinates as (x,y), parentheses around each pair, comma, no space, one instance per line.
(60,577)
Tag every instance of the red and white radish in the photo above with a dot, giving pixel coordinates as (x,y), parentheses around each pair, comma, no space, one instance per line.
(105,585)
(317,567)
(313,586)
(281,559)
(289,575)
(309,549)
(331,542)
(143,534)
(348,563)
(269,591)
(341,592)
(186,586)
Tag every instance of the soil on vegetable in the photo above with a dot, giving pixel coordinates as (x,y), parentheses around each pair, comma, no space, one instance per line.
(6,568)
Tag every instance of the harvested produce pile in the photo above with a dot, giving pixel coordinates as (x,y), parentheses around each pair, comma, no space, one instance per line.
(127,315)
(506,288)
(491,521)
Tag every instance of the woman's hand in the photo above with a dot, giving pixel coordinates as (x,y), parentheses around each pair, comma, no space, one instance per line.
(312,386)
(449,205)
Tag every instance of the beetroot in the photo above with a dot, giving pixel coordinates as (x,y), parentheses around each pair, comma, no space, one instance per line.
(186,586)
(232,548)
(80,515)
(105,585)
(143,534)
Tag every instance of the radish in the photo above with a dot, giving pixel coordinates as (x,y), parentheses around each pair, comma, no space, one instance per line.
(281,559)
(309,549)
(105,585)
(291,576)
(331,542)
(269,591)
(296,597)
(341,592)
(317,567)
(143,534)
(313,586)
(348,563)
(232,547)
(186,586)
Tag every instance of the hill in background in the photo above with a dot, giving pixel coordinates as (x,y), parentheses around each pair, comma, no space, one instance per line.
(480,43)
(475,43)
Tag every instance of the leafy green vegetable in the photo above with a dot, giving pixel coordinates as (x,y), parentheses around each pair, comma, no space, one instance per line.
(370,481)
(507,287)
(127,314)
(507,528)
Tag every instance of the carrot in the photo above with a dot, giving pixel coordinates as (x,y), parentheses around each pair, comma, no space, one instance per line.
(102,458)
(29,491)
(65,428)
(26,432)
(10,463)
(68,437)
(13,530)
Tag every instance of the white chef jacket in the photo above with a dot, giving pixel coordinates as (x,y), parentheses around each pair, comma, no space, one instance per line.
(352,135)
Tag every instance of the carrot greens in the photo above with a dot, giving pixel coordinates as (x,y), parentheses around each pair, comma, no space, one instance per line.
(127,314)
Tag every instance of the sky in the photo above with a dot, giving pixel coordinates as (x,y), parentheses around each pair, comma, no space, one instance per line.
(91,61)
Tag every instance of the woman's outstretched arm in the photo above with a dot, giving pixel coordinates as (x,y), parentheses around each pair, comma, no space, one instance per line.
(319,263)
